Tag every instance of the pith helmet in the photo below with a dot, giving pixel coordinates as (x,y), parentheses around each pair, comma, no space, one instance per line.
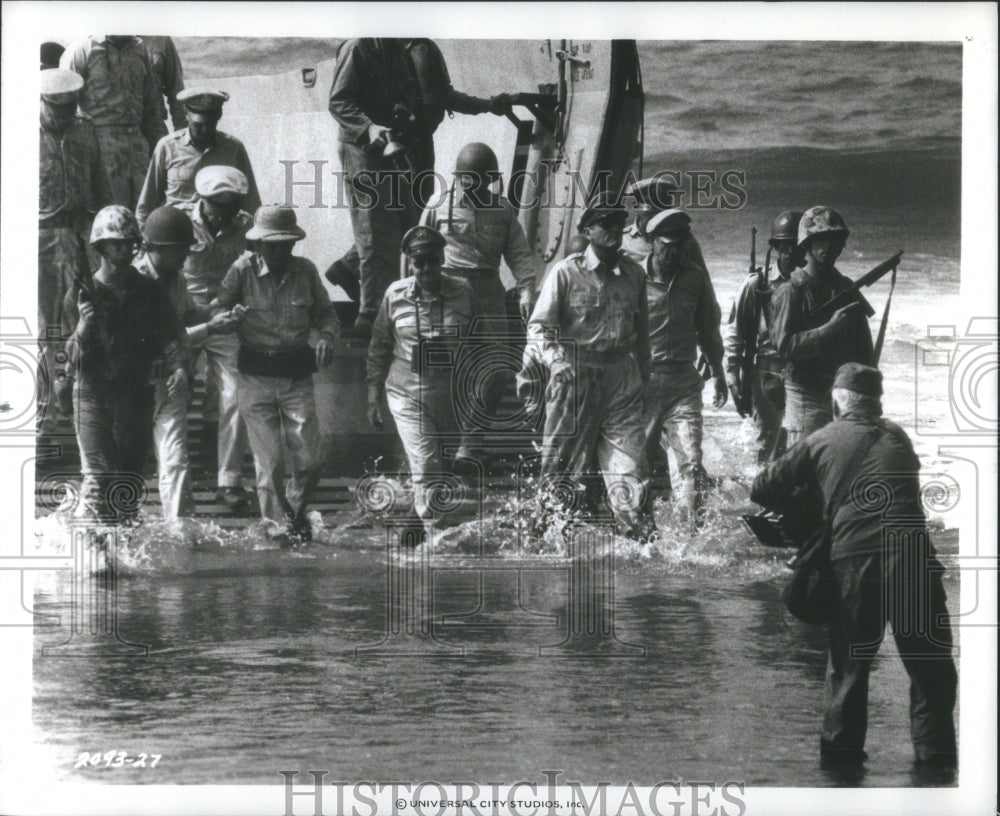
(672,225)
(168,226)
(600,207)
(115,223)
(220,180)
(421,240)
(275,223)
(58,86)
(477,157)
(786,226)
(819,220)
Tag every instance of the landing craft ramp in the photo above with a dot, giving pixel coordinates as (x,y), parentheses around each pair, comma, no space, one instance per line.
(581,113)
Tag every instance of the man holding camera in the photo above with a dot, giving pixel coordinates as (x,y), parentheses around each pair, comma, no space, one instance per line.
(388,97)
(883,567)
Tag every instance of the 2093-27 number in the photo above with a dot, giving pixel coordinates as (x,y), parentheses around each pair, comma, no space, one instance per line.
(116,759)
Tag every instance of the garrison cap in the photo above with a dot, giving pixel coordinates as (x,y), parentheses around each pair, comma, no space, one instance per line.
(203,101)
(653,193)
(860,379)
(219,180)
(421,240)
(275,223)
(599,207)
(60,87)
(673,225)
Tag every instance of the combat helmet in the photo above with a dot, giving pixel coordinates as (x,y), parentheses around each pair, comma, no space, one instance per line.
(115,223)
(476,162)
(168,226)
(786,227)
(819,220)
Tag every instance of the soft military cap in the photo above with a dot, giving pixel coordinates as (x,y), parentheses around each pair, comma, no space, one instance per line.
(220,180)
(673,225)
(421,240)
(599,207)
(203,101)
(275,223)
(860,379)
(60,87)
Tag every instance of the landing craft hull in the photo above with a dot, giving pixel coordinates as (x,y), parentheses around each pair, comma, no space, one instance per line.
(292,142)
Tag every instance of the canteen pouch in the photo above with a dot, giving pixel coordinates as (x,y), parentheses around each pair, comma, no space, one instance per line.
(294,364)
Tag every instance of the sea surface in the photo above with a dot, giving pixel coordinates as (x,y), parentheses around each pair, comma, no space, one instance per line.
(261,660)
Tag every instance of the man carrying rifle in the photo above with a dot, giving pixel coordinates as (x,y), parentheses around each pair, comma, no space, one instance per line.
(72,186)
(812,347)
(753,368)
(388,97)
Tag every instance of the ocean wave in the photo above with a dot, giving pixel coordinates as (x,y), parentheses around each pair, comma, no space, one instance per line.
(842,83)
(932,84)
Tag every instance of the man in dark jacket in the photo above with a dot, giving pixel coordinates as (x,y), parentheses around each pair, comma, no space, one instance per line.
(883,565)
(812,351)
(389,94)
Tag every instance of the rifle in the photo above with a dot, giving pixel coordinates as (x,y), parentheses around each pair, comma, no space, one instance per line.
(852,293)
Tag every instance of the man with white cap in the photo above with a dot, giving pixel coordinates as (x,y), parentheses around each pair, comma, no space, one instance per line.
(72,187)
(683,316)
(120,96)
(285,300)
(179,156)
(220,225)
(883,568)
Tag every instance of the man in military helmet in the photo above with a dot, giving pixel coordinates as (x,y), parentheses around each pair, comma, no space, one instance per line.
(481,228)
(285,301)
(590,329)
(179,156)
(388,97)
(683,317)
(220,226)
(423,319)
(72,187)
(753,368)
(812,351)
(120,97)
(115,326)
(167,239)
(883,564)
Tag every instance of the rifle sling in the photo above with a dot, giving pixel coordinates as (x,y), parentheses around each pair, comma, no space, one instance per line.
(885,321)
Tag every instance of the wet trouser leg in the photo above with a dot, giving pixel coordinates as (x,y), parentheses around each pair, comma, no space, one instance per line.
(425,420)
(221,351)
(598,413)
(113,430)
(125,153)
(805,412)
(672,418)
(906,590)
(768,394)
(170,446)
(280,410)
(58,263)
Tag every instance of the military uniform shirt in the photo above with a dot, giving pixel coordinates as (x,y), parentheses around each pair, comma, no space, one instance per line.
(169,77)
(478,237)
(175,163)
(683,315)
(280,314)
(582,304)
(394,334)
(756,302)
(813,352)
(71,175)
(192,320)
(211,255)
(119,89)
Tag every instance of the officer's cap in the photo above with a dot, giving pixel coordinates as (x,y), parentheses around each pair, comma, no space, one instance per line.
(860,379)
(422,240)
(672,225)
(601,207)
(206,102)
(219,181)
(60,87)
(653,193)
